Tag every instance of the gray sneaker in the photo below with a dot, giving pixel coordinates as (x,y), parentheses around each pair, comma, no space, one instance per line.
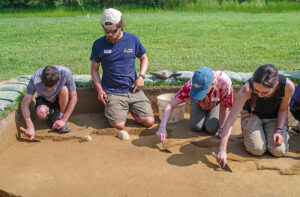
(52,117)
(296,127)
(64,129)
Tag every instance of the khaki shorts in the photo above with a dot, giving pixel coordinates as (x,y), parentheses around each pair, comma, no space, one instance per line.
(258,135)
(118,105)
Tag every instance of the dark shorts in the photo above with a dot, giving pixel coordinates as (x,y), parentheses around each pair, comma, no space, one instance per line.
(42,101)
(296,114)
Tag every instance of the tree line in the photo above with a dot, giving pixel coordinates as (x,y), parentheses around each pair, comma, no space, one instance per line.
(115,3)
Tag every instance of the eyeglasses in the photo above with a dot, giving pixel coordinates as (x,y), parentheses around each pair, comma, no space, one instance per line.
(111,31)
(261,93)
(264,93)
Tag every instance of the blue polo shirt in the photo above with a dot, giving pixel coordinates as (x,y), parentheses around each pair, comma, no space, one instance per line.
(118,62)
(295,101)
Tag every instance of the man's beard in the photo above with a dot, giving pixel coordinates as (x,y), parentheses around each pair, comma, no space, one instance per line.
(113,39)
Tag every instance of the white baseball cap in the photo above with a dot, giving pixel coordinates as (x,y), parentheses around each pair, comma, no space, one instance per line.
(112,16)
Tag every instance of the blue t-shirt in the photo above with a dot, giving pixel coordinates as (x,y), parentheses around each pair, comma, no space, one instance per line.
(295,101)
(118,62)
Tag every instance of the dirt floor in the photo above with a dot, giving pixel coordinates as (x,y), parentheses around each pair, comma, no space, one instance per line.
(69,165)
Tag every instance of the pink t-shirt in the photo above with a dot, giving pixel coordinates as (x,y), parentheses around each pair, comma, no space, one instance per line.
(222,92)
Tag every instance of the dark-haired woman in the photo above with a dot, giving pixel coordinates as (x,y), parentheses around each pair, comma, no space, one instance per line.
(263,103)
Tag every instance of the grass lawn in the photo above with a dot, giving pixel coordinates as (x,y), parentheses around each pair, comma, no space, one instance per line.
(174,41)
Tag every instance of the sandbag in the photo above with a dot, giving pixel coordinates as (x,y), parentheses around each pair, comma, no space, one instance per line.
(13,87)
(9,95)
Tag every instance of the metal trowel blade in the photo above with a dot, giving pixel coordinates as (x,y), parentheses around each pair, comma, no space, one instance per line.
(226,168)
(164,149)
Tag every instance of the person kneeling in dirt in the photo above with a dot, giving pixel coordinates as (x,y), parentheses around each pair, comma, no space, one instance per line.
(211,95)
(120,89)
(263,102)
(295,107)
(56,89)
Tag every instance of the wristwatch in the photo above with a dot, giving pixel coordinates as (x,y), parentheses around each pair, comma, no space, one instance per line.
(141,75)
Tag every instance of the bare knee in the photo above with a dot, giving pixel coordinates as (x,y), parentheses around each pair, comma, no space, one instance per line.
(64,92)
(42,111)
(145,121)
(119,125)
(148,121)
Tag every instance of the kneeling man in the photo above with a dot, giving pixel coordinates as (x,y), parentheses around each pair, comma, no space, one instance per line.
(120,89)
(56,89)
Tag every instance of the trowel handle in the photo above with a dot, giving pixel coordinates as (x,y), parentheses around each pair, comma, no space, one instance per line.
(215,155)
(22,129)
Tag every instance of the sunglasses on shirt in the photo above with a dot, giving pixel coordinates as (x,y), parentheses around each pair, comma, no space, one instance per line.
(111,31)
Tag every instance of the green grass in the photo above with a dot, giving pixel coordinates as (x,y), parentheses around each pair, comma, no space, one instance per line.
(174,40)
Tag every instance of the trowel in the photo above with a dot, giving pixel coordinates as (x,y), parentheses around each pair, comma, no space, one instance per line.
(164,145)
(226,168)
(24,130)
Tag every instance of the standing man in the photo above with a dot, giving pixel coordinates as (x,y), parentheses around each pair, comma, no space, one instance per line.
(56,90)
(120,88)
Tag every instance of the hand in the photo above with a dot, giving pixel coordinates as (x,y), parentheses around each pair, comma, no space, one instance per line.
(102,96)
(222,159)
(58,124)
(161,135)
(277,139)
(30,132)
(138,84)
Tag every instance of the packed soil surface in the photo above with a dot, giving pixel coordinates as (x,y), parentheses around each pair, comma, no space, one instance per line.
(70,165)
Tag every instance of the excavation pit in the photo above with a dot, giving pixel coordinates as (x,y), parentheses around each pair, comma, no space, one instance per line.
(69,165)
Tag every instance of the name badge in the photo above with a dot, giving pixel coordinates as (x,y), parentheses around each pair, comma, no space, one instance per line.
(107,51)
(215,99)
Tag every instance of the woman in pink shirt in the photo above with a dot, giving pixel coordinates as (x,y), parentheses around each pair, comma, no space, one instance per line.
(211,96)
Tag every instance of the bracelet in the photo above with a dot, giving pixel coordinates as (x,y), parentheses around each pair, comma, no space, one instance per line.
(280,129)
(143,76)
(220,130)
